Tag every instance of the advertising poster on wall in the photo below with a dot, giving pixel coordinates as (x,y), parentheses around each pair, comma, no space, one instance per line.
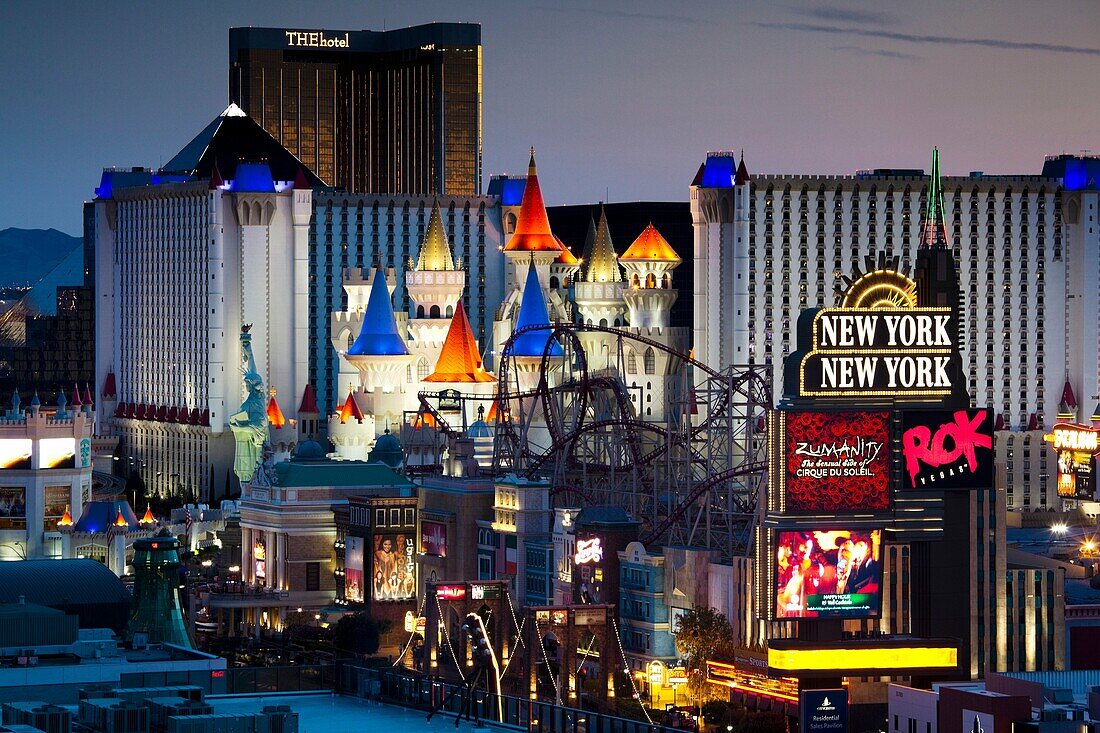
(433,538)
(947,449)
(353,569)
(837,461)
(394,569)
(55,500)
(828,574)
(259,557)
(15,454)
(1076,446)
(823,711)
(13,507)
(57,453)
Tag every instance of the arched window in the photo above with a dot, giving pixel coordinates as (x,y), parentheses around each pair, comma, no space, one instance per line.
(434,312)
(351,340)
(667,283)
(409,373)
(510,223)
(419,311)
(631,362)
(603,323)
(636,282)
(554,283)
(450,311)
(650,361)
(651,280)
(422,368)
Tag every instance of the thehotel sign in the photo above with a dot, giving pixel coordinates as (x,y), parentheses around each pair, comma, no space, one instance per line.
(316,39)
(858,352)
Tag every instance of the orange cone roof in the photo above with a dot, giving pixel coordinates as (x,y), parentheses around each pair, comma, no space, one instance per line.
(120,521)
(274,414)
(532,225)
(459,360)
(66,519)
(650,246)
(350,409)
(148,518)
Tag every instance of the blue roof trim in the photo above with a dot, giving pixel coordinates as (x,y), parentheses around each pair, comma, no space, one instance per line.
(378,335)
(253,178)
(532,312)
(508,189)
(99,516)
(720,171)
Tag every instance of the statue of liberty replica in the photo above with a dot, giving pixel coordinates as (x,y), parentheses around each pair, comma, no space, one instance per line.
(249,425)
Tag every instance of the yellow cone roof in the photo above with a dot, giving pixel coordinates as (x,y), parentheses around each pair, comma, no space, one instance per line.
(435,250)
(650,246)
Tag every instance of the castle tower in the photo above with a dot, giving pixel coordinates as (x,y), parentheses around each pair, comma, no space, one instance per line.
(532,240)
(434,285)
(308,414)
(380,355)
(459,364)
(599,294)
(528,348)
(344,326)
(649,294)
(351,428)
(282,434)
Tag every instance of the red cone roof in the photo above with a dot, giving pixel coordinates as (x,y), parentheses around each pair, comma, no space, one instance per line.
(350,409)
(532,225)
(309,402)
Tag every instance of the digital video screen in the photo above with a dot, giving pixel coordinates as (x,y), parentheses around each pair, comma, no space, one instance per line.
(838,461)
(828,574)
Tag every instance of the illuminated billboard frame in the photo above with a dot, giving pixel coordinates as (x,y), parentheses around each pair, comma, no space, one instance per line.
(56,453)
(789,657)
(15,454)
(827,574)
(433,538)
(1076,446)
(947,449)
(836,461)
(354,590)
(394,567)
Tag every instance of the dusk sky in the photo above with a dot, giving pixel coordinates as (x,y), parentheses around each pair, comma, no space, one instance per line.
(620,99)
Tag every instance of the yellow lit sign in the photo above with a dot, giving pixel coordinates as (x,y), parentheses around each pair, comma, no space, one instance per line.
(1067,436)
(656,673)
(860,658)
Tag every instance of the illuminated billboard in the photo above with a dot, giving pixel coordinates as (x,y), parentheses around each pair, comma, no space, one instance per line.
(259,558)
(433,538)
(57,453)
(861,352)
(13,507)
(353,569)
(394,568)
(1076,446)
(837,461)
(828,574)
(15,454)
(947,449)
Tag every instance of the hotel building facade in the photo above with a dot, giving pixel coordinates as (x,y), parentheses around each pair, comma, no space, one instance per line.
(1028,253)
(395,112)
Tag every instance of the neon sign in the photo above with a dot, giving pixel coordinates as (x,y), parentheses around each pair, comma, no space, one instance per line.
(588,551)
(450,592)
(316,39)
(1067,436)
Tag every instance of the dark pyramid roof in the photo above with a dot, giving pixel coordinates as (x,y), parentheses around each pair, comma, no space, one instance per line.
(233,137)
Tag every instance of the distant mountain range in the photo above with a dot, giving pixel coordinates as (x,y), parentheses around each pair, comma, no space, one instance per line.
(28,255)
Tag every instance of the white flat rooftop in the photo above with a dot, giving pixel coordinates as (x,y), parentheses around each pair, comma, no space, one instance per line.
(342,714)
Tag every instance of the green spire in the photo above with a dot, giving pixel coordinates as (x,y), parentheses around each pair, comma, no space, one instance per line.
(934,227)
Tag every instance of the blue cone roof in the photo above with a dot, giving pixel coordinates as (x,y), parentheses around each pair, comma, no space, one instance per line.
(532,312)
(378,336)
